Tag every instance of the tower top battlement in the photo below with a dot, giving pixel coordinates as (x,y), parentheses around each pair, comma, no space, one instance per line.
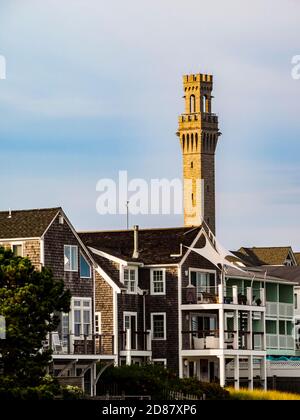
(198,77)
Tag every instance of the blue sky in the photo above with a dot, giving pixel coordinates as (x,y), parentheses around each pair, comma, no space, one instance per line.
(94,87)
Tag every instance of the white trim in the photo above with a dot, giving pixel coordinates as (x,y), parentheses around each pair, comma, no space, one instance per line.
(202,230)
(52,221)
(99,315)
(165,326)
(107,256)
(160,360)
(106,277)
(160,265)
(83,256)
(81,308)
(128,313)
(115,259)
(180,321)
(70,270)
(17,243)
(19,239)
(42,251)
(130,268)
(152,292)
(202,270)
(115,322)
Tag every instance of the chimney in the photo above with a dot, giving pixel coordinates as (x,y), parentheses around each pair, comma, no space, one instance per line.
(136,242)
(9,214)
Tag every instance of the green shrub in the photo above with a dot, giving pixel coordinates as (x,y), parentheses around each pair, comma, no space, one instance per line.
(157,381)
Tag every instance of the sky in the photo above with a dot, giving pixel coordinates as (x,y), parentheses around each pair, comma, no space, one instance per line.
(94,87)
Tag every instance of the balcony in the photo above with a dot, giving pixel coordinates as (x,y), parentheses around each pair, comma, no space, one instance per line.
(69,344)
(221,294)
(283,310)
(233,340)
(135,341)
(280,342)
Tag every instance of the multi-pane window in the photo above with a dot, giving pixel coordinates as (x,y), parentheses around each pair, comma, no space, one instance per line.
(158,326)
(82,317)
(204,282)
(85,268)
(158,282)
(65,329)
(17,250)
(130,279)
(97,322)
(70,258)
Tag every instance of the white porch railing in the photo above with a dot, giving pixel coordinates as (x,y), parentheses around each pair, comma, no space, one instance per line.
(284,310)
(272,341)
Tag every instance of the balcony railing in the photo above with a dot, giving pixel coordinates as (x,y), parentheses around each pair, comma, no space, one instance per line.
(233,340)
(135,340)
(219,294)
(275,309)
(278,342)
(69,344)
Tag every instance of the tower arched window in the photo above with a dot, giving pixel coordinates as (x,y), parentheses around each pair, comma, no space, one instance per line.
(183,141)
(192,104)
(196,141)
(203,99)
(192,142)
(187,142)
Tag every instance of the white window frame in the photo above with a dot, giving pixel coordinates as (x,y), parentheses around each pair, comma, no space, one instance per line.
(160,360)
(70,270)
(84,277)
(99,315)
(152,292)
(82,308)
(129,314)
(130,268)
(153,314)
(17,243)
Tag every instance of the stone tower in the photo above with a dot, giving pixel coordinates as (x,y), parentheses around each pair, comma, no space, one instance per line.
(198,132)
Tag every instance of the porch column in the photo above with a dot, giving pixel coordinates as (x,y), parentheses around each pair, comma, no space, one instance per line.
(236,329)
(221,328)
(250,372)
(222,370)
(263,371)
(236,372)
(128,347)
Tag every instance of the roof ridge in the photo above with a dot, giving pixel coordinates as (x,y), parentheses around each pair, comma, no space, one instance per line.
(140,229)
(27,210)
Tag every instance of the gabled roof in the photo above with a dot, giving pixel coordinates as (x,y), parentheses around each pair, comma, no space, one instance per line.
(155,245)
(291,274)
(26,223)
(257,256)
(297,257)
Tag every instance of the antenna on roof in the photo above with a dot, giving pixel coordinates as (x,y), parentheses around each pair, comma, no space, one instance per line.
(9,213)
(127,214)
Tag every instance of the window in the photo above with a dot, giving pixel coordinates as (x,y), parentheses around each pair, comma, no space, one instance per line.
(97,322)
(82,316)
(158,281)
(71,257)
(203,281)
(85,268)
(130,279)
(17,250)
(65,329)
(192,165)
(160,362)
(158,326)
(295,301)
(192,104)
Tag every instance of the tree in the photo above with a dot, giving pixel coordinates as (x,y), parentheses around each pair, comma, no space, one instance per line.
(29,300)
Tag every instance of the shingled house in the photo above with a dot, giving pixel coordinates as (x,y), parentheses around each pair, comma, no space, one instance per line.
(47,237)
(277,256)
